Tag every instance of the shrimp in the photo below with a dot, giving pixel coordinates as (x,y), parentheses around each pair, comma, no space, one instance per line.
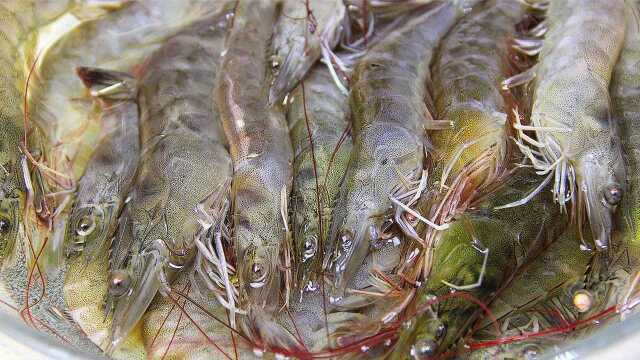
(478,254)
(389,123)
(318,119)
(302,30)
(184,164)
(576,138)
(466,77)
(471,158)
(262,159)
(102,189)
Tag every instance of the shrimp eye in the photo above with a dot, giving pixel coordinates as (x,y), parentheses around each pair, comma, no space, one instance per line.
(441,331)
(85,226)
(346,241)
(385,228)
(423,349)
(613,194)
(258,275)
(5,226)
(582,300)
(530,352)
(119,283)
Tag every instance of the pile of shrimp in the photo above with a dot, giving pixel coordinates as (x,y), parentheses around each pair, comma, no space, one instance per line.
(383,179)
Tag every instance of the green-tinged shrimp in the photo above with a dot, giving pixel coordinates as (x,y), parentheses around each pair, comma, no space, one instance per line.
(102,189)
(85,288)
(304,32)
(184,166)
(318,119)
(472,157)
(576,141)
(191,325)
(549,286)
(388,91)
(261,152)
(478,254)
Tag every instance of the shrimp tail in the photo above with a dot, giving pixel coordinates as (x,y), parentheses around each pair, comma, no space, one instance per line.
(262,329)
(107,85)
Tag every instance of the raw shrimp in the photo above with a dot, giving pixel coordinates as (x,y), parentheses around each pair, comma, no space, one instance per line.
(389,123)
(479,253)
(472,157)
(262,161)
(303,29)
(577,142)
(318,119)
(183,170)
(261,153)
(19,23)
(105,184)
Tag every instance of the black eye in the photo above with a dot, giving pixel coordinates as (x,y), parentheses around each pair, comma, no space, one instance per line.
(85,226)
(613,194)
(441,331)
(385,228)
(346,240)
(530,352)
(5,226)
(119,283)
(258,275)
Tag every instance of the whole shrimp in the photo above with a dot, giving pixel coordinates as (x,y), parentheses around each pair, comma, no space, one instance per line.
(576,141)
(389,123)
(471,158)
(184,169)
(102,189)
(318,119)
(304,32)
(262,160)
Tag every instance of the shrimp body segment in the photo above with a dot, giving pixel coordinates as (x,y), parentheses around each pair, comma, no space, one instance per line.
(577,138)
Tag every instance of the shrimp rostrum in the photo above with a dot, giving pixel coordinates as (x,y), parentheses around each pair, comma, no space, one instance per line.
(576,141)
